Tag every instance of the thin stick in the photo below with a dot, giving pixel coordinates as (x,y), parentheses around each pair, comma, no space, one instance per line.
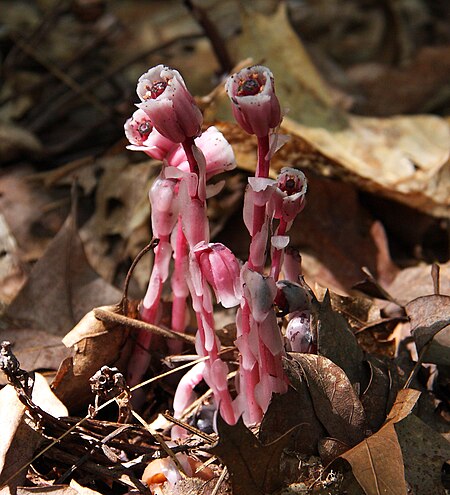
(118,319)
(220,481)
(159,438)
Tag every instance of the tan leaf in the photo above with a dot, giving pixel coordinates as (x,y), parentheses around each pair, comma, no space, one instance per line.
(18,440)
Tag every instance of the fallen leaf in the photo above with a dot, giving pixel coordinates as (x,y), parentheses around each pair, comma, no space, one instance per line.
(375,471)
(335,402)
(94,344)
(430,324)
(416,281)
(375,399)
(335,339)
(294,408)
(62,287)
(254,468)
(424,453)
(119,227)
(35,349)
(19,440)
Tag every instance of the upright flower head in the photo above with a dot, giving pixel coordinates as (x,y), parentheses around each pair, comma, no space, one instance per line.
(255,104)
(289,199)
(168,103)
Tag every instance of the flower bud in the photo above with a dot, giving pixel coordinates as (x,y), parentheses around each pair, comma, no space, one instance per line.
(289,197)
(255,106)
(298,332)
(221,269)
(168,103)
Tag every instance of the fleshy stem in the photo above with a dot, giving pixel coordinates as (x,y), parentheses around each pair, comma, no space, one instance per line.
(179,287)
(216,372)
(277,253)
(259,212)
(141,355)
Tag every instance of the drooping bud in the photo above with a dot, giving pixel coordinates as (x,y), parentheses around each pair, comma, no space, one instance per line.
(255,105)
(169,104)
(221,269)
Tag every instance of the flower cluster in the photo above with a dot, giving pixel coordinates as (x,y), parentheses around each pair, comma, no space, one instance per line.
(168,126)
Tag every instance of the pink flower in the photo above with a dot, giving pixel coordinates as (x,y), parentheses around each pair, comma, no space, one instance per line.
(255,105)
(221,269)
(298,332)
(217,150)
(168,103)
(289,197)
(144,137)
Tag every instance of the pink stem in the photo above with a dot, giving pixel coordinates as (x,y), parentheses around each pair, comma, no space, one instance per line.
(277,253)
(259,212)
(205,319)
(141,356)
(179,288)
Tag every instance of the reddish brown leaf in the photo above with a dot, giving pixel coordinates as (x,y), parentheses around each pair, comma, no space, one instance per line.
(335,403)
(254,468)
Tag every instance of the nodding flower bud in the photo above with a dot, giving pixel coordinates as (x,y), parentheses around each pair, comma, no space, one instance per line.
(138,127)
(168,103)
(289,197)
(222,271)
(255,105)
(144,137)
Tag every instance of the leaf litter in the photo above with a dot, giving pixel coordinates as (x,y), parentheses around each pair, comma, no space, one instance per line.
(345,403)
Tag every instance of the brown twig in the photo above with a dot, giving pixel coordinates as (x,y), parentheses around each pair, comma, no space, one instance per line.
(118,319)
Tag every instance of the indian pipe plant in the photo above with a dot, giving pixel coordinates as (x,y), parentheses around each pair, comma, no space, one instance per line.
(168,126)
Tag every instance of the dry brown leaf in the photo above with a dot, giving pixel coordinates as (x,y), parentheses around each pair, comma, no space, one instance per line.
(416,281)
(375,471)
(94,345)
(424,453)
(336,404)
(403,158)
(254,468)
(119,227)
(294,408)
(35,349)
(430,324)
(19,440)
(62,287)
(335,339)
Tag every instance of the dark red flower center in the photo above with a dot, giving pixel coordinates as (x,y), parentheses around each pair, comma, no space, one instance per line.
(154,91)
(249,87)
(144,128)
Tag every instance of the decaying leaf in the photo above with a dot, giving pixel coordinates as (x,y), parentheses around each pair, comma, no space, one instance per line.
(335,402)
(62,287)
(16,142)
(35,349)
(294,408)
(430,324)
(424,453)
(374,470)
(19,440)
(254,468)
(94,344)
(336,340)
